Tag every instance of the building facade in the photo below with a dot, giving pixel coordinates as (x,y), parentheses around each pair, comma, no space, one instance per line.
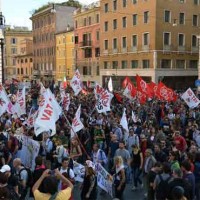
(46,23)
(154,39)
(24,61)
(13,38)
(87,42)
(64,55)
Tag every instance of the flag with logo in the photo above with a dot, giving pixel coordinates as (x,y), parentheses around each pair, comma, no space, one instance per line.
(130,90)
(103,99)
(190,98)
(76,83)
(142,86)
(66,101)
(21,100)
(4,100)
(77,125)
(110,85)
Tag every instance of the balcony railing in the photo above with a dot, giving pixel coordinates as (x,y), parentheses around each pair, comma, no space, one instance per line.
(85,44)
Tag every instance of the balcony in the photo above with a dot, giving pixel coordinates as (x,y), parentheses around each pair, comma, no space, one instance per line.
(86,44)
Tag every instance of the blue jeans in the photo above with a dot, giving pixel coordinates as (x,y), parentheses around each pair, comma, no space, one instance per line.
(136,175)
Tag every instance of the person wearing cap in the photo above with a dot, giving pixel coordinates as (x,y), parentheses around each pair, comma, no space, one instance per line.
(89,185)
(12,180)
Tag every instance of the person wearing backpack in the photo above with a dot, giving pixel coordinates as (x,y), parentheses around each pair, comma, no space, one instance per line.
(23,177)
(161,182)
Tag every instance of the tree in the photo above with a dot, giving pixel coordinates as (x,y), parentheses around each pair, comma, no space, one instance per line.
(72,3)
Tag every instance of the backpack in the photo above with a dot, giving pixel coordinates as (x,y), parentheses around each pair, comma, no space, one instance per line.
(30,176)
(68,175)
(163,189)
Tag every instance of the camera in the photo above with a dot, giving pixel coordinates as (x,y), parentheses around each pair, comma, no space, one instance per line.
(52,172)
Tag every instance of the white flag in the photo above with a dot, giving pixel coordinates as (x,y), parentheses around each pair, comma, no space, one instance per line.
(21,101)
(48,114)
(103,99)
(110,85)
(4,100)
(134,118)
(76,83)
(123,121)
(77,125)
(190,99)
(31,118)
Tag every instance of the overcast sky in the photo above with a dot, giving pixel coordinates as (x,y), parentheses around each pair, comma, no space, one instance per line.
(18,12)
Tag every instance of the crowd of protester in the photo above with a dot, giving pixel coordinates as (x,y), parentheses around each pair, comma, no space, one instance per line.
(160,156)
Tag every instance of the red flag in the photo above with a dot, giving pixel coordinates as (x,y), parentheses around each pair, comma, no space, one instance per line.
(141,97)
(142,86)
(118,97)
(84,91)
(153,88)
(125,82)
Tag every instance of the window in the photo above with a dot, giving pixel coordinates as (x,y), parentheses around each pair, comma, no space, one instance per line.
(146,17)
(182,1)
(22,61)
(195,20)
(88,53)
(182,18)
(134,1)
(145,63)
(97,35)
(165,63)
(134,64)
(124,64)
(105,63)
(13,40)
(193,64)
(124,3)
(115,43)
(26,60)
(98,71)
(166,39)
(89,20)
(194,41)
(115,5)
(18,71)
(167,17)
(196,2)
(114,64)
(134,40)
(84,22)
(31,60)
(22,71)
(124,22)
(181,39)
(134,19)
(114,23)
(85,70)
(13,50)
(146,39)
(97,52)
(106,7)
(76,24)
(180,64)
(97,18)
(124,42)
(106,44)
(105,26)
(13,61)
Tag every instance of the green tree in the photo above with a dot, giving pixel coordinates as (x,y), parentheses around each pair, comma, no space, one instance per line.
(72,3)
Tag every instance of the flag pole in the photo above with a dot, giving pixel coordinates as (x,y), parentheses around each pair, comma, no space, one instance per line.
(76,135)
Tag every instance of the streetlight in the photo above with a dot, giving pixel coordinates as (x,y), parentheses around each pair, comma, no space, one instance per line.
(2,25)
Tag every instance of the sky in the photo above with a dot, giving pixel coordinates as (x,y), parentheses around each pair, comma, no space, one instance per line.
(18,12)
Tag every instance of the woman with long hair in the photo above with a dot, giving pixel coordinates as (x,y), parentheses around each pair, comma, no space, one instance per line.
(119,177)
(89,185)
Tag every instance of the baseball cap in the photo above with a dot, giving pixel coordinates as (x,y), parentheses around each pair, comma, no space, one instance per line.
(5,168)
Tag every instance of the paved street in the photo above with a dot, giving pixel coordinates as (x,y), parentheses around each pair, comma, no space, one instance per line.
(128,194)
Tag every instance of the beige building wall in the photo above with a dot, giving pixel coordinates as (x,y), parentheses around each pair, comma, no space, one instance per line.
(13,39)
(148,55)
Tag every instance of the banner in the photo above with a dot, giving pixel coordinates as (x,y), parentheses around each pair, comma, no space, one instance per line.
(77,125)
(79,171)
(66,101)
(103,99)
(190,99)
(76,83)
(4,101)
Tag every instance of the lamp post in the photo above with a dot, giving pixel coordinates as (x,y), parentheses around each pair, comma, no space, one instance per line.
(2,25)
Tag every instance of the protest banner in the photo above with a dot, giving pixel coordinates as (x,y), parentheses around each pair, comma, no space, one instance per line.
(76,83)
(4,100)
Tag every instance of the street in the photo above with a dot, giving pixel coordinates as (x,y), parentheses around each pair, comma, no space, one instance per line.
(128,194)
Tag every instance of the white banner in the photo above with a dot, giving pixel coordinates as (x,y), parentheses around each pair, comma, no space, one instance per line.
(190,99)
(4,100)
(123,121)
(76,83)
(66,101)
(103,99)
(77,125)
(110,85)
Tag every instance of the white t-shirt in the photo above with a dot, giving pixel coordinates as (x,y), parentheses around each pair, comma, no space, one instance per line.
(71,172)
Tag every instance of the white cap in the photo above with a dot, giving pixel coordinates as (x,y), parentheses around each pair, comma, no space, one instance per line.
(90,164)
(5,168)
